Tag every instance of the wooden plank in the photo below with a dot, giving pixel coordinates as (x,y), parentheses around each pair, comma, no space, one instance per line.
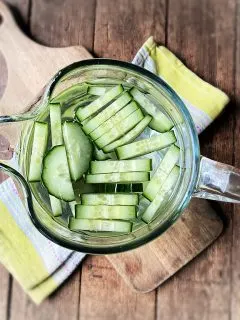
(61,24)
(187,300)
(198,227)
(235,293)
(122,26)
(21,9)
(202,34)
(4,292)
(105,296)
(120,29)
(61,305)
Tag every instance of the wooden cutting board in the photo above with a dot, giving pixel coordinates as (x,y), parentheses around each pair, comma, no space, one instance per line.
(25,67)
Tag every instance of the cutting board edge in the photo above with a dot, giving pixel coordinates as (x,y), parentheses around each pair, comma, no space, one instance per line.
(141,289)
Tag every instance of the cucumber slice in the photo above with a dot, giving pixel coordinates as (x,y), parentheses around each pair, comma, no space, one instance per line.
(100,225)
(96,105)
(78,147)
(145,146)
(110,166)
(121,177)
(166,165)
(104,82)
(57,139)
(105,212)
(56,206)
(39,145)
(110,199)
(130,136)
(72,205)
(81,102)
(98,90)
(107,82)
(71,93)
(107,113)
(161,195)
(131,121)
(100,155)
(131,187)
(114,120)
(55,174)
(160,122)
(56,124)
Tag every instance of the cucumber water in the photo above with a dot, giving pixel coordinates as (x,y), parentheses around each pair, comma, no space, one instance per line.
(110,151)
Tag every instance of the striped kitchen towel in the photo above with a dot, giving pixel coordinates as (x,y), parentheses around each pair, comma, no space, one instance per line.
(39,265)
(204,101)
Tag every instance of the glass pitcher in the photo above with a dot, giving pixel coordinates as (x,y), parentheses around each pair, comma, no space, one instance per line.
(201,177)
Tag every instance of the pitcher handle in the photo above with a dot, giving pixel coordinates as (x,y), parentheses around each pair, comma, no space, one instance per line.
(218,181)
(16,176)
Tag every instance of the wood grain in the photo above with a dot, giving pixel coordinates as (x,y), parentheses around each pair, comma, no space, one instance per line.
(235,279)
(202,34)
(4,292)
(121,27)
(193,300)
(61,305)
(63,23)
(5,278)
(20,54)
(190,235)
(105,296)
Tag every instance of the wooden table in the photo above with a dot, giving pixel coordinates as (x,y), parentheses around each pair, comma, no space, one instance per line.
(206,35)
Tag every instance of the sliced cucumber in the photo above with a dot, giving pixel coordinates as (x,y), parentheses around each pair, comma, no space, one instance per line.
(110,166)
(84,113)
(131,187)
(114,120)
(81,102)
(98,90)
(161,195)
(78,147)
(113,212)
(118,131)
(121,177)
(130,136)
(166,165)
(55,174)
(100,225)
(39,145)
(160,122)
(107,113)
(57,139)
(100,155)
(56,124)
(56,206)
(145,146)
(72,205)
(71,93)
(104,82)
(110,199)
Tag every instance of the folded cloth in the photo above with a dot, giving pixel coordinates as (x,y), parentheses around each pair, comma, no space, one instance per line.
(40,265)
(204,102)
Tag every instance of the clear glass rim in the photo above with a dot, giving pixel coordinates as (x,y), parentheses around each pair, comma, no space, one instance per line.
(115,248)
